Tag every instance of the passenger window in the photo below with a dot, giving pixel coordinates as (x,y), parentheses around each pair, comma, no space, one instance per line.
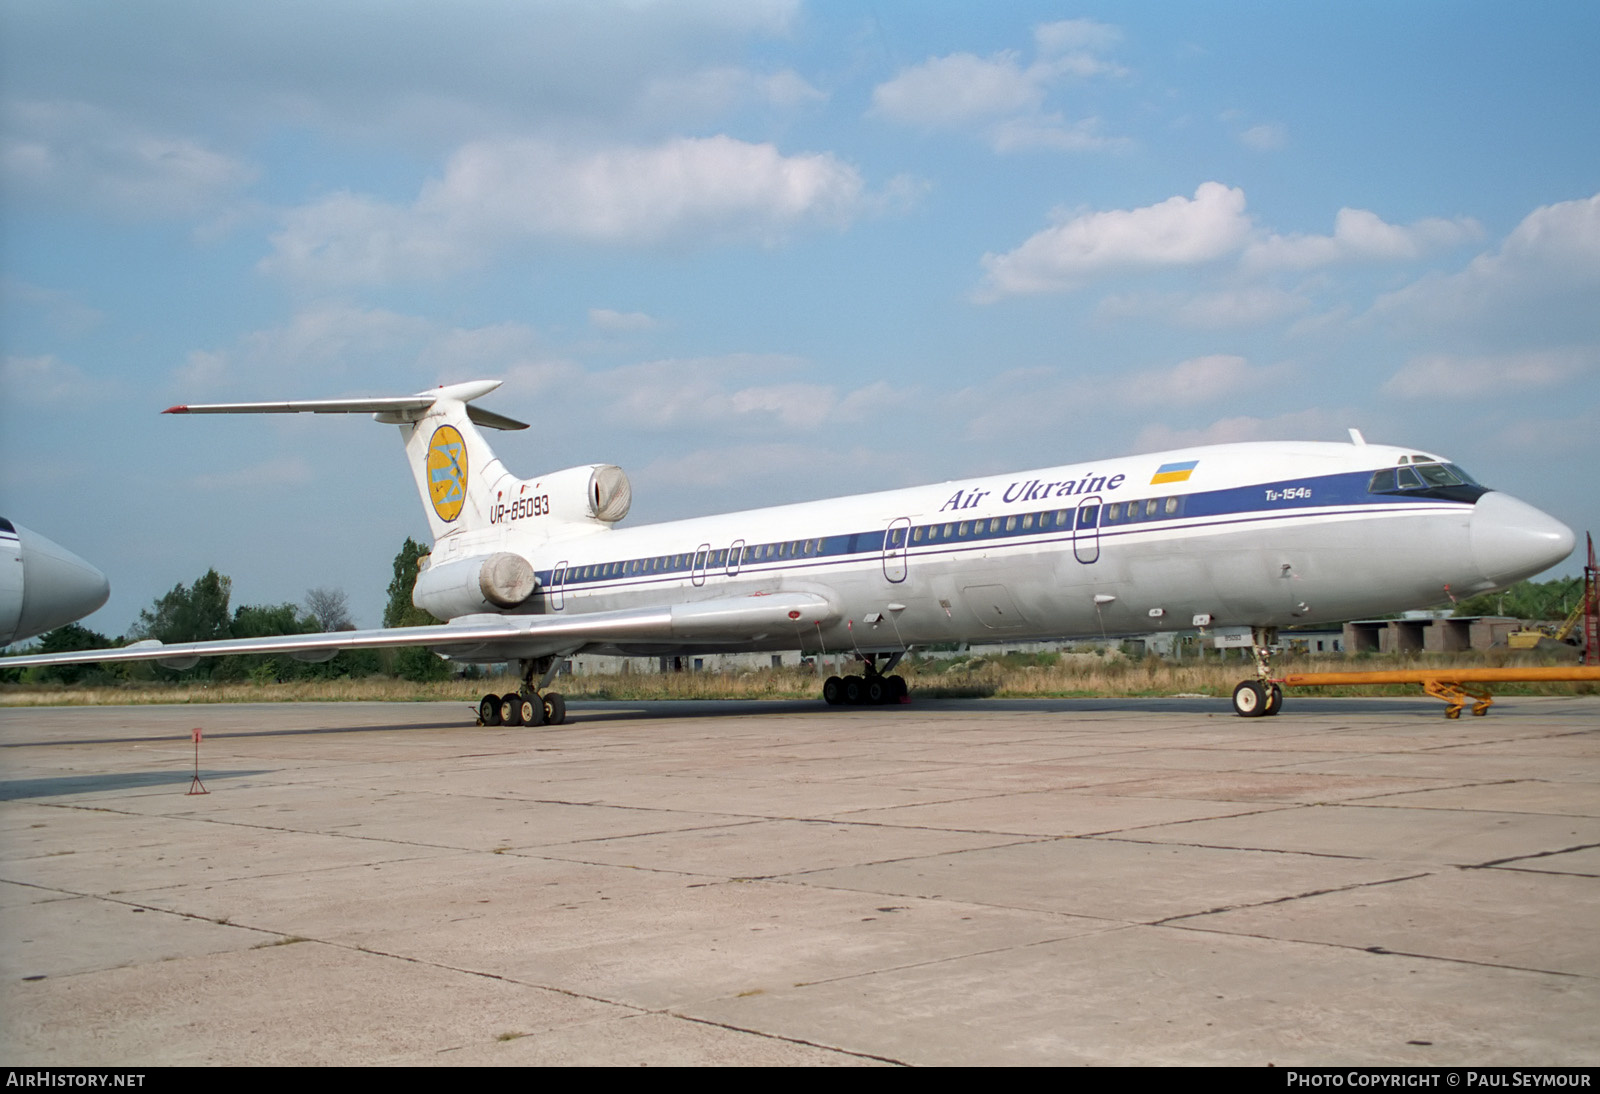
(1087,515)
(1150,508)
(1027,521)
(962,531)
(1011,524)
(1172,506)
(1061,518)
(1114,512)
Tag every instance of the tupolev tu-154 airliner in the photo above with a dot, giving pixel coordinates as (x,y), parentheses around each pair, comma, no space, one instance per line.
(1236,540)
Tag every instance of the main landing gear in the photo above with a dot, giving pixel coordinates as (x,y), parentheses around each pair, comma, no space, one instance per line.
(1259,698)
(870,689)
(530,705)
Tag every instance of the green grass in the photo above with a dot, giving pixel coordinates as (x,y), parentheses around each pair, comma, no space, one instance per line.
(972,675)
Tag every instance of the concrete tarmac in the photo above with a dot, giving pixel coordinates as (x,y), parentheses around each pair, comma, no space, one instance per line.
(1356,881)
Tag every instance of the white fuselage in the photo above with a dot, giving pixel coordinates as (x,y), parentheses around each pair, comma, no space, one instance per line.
(1244,535)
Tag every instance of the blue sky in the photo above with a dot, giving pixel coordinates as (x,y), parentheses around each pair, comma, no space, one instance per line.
(764,252)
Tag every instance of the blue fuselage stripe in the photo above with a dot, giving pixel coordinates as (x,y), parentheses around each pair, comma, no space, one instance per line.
(1331,495)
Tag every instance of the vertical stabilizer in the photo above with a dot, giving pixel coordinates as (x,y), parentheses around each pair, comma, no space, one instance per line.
(457,473)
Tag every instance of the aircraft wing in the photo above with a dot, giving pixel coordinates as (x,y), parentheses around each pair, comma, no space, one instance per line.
(507,637)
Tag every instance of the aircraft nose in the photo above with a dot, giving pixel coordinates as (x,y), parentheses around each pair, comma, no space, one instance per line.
(1512,540)
(57,585)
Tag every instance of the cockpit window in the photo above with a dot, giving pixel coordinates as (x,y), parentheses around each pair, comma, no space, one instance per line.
(1426,478)
(1438,474)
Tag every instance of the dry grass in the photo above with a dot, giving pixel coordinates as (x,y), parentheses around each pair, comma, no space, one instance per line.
(973,676)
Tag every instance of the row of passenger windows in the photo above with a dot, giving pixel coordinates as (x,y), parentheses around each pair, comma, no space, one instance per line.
(1016,524)
(1061,519)
(806,548)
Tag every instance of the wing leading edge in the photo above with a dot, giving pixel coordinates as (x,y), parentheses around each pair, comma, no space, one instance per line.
(488,638)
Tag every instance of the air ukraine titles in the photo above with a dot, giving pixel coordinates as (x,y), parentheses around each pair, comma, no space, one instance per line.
(1035,490)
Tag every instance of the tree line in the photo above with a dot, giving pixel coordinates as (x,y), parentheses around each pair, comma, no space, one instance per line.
(202,612)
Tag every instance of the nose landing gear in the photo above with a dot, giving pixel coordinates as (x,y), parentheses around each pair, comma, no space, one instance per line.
(1259,698)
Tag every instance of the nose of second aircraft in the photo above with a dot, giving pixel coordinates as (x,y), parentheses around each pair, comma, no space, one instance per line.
(57,585)
(1512,540)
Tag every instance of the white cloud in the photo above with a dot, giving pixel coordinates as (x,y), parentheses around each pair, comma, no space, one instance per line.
(501,193)
(63,311)
(81,154)
(958,89)
(1073,36)
(1050,131)
(415,77)
(715,477)
(1445,377)
(1544,278)
(44,379)
(1023,402)
(1078,249)
(319,345)
(1001,98)
(1360,236)
(1301,425)
(709,92)
(1265,137)
(738,391)
(322,350)
(606,319)
(1195,381)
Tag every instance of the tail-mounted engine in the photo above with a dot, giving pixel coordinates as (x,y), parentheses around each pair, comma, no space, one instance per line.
(483,583)
(596,492)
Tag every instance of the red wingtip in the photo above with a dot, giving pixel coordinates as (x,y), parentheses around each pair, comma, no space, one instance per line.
(182,408)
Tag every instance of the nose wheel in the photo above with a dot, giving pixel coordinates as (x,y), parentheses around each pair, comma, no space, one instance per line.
(1259,698)
(1254,699)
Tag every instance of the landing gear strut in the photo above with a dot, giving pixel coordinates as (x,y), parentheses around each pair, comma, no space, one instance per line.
(872,688)
(529,705)
(1259,698)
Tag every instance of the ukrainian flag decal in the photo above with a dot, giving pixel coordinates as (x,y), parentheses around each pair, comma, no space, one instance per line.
(447,472)
(1174,472)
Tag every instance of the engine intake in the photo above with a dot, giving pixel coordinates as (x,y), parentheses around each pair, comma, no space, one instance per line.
(598,491)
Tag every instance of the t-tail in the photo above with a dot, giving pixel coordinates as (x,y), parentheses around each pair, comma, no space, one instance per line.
(463,484)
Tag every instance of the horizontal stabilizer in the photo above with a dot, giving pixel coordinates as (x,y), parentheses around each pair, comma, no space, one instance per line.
(394,409)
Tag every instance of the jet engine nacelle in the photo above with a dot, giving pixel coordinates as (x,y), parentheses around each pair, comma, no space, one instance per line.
(596,492)
(468,586)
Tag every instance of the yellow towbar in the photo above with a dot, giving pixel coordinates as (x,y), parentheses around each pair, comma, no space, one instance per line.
(1450,685)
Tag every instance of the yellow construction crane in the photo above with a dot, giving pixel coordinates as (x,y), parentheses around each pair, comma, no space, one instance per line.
(1529,637)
